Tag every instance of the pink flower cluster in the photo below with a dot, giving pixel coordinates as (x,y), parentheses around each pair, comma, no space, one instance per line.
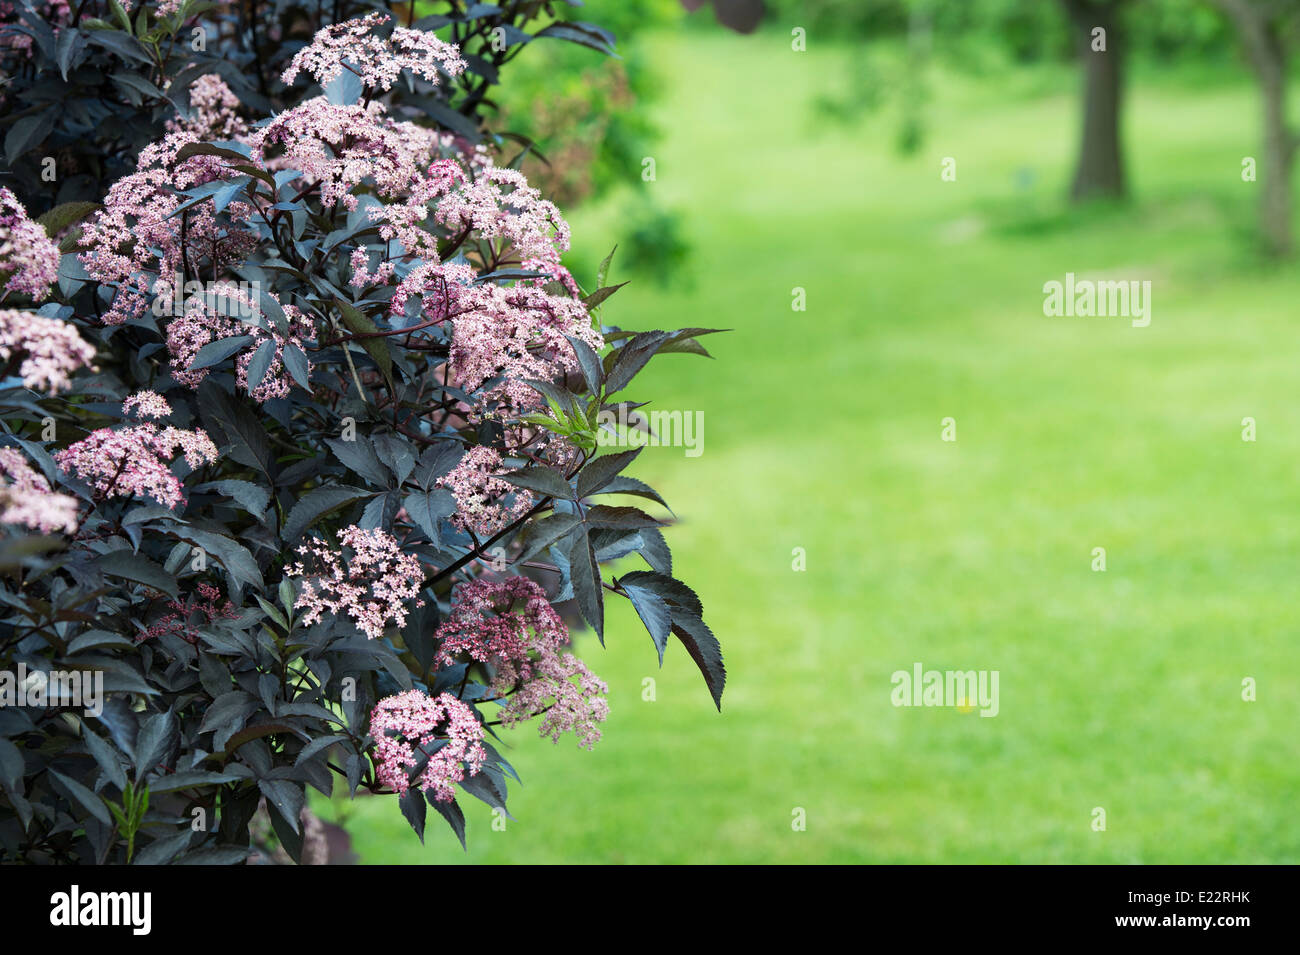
(342,146)
(480,493)
(501,207)
(27,255)
(52,349)
(212,111)
(372,588)
(525,649)
(123,240)
(120,238)
(179,621)
(515,334)
(443,728)
(201,324)
(376,61)
(133,461)
(432,188)
(27,499)
(507,333)
(147,404)
(568,696)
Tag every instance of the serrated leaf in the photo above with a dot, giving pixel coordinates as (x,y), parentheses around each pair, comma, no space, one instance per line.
(120,44)
(654,548)
(704,649)
(397,454)
(214,353)
(676,593)
(545,532)
(589,362)
(314,505)
(260,363)
(619,518)
(273,612)
(27,133)
(484,788)
(437,461)
(231,554)
(156,736)
(451,811)
(246,435)
(295,360)
(573,34)
(65,215)
(631,358)
(654,613)
(320,744)
(106,757)
(227,714)
(251,497)
(596,298)
(546,481)
(285,797)
(88,800)
(414,809)
(597,473)
(585,574)
(164,850)
(210,149)
(602,271)
(189,779)
(427,508)
(134,567)
(359,456)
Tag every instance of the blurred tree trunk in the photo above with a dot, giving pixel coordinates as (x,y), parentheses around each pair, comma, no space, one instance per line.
(1100,171)
(1260,27)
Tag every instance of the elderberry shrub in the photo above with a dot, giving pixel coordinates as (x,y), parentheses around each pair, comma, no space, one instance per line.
(300,469)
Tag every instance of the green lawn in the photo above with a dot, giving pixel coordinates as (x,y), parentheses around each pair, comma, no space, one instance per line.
(822,431)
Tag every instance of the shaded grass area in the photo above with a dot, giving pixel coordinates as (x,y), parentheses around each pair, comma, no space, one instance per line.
(1119,690)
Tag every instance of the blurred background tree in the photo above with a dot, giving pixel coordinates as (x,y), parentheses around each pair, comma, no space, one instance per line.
(1267,30)
(1098,37)
(980,38)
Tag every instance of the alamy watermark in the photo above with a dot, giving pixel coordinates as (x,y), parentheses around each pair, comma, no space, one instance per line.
(76,908)
(962,689)
(1087,298)
(82,689)
(636,429)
